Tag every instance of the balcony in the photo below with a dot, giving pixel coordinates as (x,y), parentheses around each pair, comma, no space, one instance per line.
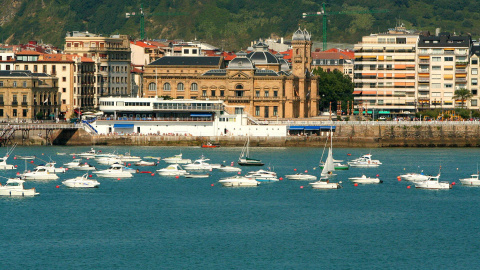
(14,103)
(449,52)
(424,70)
(24,104)
(460,70)
(461,80)
(423,79)
(424,61)
(238,99)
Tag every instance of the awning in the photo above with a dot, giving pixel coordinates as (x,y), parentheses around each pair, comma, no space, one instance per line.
(369,92)
(296,128)
(384,112)
(357,92)
(312,128)
(200,115)
(122,125)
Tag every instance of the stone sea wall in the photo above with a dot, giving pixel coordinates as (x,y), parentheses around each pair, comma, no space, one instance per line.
(368,135)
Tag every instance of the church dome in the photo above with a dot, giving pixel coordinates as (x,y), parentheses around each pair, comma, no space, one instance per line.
(261,55)
(301,35)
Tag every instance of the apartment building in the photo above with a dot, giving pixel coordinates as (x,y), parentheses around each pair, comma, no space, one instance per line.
(24,95)
(6,60)
(473,76)
(112,56)
(442,68)
(385,72)
(75,78)
(334,59)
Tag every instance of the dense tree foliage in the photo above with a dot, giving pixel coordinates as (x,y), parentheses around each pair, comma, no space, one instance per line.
(230,24)
(333,87)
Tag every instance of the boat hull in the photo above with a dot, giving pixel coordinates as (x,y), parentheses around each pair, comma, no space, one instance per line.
(470,182)
(249,163)
(80,184)
(301,177)
(325,185)
(16,192)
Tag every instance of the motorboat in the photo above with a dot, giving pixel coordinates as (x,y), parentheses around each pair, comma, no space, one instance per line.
(84,166)
(365,180)
(172,170)
(238,181)
(109,160)
(14,187)
(177,159)
(115,171)
(81,182)
(3,160)
(129,158)
(210,145)
(192,175)
(40,173)
(325,184)
(50,166)
(263,176)
(365,161)
(73,163)
(414,177)
(25,157)
(301,176)
(88,154)
(199,164)
(245,159)
(224,168)
(145,163)
(433,183)
(472,181)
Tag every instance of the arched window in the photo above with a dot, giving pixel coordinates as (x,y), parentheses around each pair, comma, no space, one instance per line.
(239,86)
(194,87)
(166,87)
(180,87)
(152,87)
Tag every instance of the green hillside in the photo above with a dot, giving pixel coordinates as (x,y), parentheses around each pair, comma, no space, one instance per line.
(230,24)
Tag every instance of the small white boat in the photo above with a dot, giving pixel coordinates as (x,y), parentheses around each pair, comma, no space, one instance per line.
(224,168)
(365,180)
(325,184)
(365,161)
(84,167)
(472,181)
(50,166)
(433,183)
(172,170)
(115,171)
(109,160)
(40,173)
(14,187)
(145,163)
(238,181)
(191,175)
(301,176)
(88,154)
(72,163)
(25,157)
(414,177)
(263,176)
(61,154)
(177,159)
(129,158)
(81,182)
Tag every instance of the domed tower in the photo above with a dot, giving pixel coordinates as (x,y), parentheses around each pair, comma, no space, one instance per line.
(263,59)
(302,52)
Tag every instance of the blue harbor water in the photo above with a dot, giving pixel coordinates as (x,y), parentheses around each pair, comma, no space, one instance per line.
(154,222)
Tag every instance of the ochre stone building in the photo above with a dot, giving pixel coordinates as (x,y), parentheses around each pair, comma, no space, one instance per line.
(257,83)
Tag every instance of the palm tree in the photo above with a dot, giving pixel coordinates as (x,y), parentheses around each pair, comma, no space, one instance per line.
(463,95)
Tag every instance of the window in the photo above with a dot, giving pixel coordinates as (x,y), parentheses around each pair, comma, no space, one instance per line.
(64,90)
(275,93)
(194,87)
(257,93)
(1,112)
(35,68)
(44,68)
(213,93)
(474,81)
(436,67)
(474,92)
(436,85)
(64,68)
(239,86)
(474,61)
(14,113)
(204,93)
(64,79)
(257,110)
(275,110)
(436,59)
(14,84)
(64,101)
(473,102)
(474,71)
(24,112)
(152,87)
(449,58)
(1,83)
(266,112)
(180,87)
(222,93)
(448,85)
(266,94)
(24,98)
(166,87)
(25,84)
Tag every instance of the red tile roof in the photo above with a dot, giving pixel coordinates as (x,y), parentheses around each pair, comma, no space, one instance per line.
(142,44)
(330,55)
(26,52)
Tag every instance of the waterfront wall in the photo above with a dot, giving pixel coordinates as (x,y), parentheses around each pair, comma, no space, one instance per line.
(362,134)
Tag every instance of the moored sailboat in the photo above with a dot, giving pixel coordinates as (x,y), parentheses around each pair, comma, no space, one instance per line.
(245,160)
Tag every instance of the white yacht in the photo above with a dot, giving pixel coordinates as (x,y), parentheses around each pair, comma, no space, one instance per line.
(224,168)
(84,167)
(88,154)
(115,171)
(199,164)
(472,181)
(40,173)
(365,161)
(14,187)
(238,181)
(73,163)
(50,166)
(145,163)
(301,176)
(433,183)
(109,160)
(365,180)
(263,176)
(81,182)
(172,170)
(177,159)
(325,184)
(129,158)
(414,177)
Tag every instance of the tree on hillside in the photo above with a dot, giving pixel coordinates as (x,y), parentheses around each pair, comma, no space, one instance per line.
(333,87)
(463,95)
